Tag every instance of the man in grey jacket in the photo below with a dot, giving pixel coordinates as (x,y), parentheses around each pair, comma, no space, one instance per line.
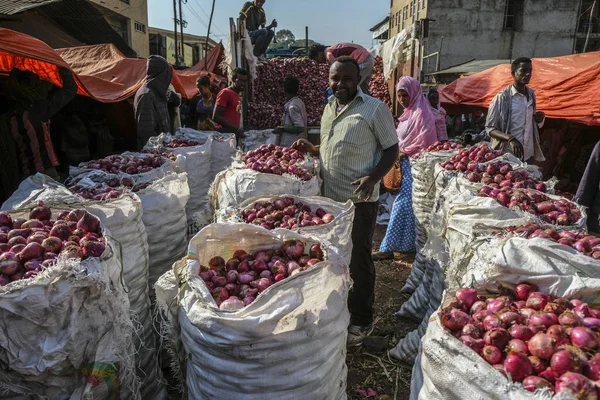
(512,121)
(150,103)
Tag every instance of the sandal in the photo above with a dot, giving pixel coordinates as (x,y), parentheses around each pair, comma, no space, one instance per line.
(379,256)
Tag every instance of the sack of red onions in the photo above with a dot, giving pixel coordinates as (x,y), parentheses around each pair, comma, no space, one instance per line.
(316,216)
(297,324)
(122,216)
(58,268)
(149,166)
(268,170)
(506,343)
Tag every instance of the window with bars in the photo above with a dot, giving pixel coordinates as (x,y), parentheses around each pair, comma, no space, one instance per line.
(510,9)
(139,27)
(412,8)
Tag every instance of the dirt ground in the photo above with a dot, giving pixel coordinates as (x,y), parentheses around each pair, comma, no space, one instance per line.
(390,379)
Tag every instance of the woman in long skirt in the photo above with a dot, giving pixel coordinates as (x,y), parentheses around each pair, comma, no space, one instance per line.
(416,131)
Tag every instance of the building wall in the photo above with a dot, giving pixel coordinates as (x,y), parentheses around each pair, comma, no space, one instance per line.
(405,12)
(474,29)
(136,14)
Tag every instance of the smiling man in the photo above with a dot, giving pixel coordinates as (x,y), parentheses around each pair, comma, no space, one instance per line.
(358,147)
(512,121)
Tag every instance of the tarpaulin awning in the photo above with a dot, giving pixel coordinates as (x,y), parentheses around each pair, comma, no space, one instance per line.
(188,76)
(565,87)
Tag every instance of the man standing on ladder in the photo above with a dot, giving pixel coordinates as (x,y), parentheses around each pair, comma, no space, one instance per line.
(261,36)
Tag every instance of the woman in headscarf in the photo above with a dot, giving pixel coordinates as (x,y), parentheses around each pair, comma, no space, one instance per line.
(439,113)
(416,131)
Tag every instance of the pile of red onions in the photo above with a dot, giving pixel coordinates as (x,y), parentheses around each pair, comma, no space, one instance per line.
(237,282)
(284,213)
(163,154)
(109,188)
(181,142)
(439,146)
(537,339)
(277,160)
(582,242)
(129,164)
(27,247)
(559,212)
(266,106)
(378,85)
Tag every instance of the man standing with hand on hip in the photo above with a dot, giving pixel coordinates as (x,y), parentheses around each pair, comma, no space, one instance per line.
(358,147)
(512,121)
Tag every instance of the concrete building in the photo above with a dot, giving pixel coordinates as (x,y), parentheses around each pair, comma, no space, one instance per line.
(162,43)
(380,32)
(453,32)
(129,18)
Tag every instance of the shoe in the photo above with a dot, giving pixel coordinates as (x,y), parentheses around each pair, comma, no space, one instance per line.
(379,256)
(357,333)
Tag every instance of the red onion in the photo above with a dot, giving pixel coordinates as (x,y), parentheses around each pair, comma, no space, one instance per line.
(41,212)
(523,291)
(467,295)
(498,304)
(473,343)
(517,366)
(591,369)
(492,321)
(533,383)
(232,304)
(537,365)
(510,318)
(563,361)
(293,248)
(246,277)
(498,337)
(261,284)
(480,315)
(455,319)
(583,311)
(527,313)
(592,323)
(545,319)
(477,306)
(569,318)
(557,330)
(471,330)
(518,346)
(491,354)
(577,385)
(537,301)
(542,346)
(584,338)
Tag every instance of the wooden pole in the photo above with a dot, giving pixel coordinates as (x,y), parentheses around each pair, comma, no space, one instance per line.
(175,28)
(212,11)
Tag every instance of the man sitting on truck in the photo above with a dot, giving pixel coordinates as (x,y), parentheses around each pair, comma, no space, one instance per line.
(261,36)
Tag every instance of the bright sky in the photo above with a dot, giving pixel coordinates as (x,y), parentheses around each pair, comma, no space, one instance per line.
(329,21)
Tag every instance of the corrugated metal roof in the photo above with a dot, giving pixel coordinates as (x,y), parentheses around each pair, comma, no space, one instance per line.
(10,7)
(383,21)
(471,67)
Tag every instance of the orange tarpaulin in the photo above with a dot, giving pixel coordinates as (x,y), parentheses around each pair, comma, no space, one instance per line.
(101,71)
(566,87)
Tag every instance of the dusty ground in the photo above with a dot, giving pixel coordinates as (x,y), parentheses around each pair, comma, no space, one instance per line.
(390,379)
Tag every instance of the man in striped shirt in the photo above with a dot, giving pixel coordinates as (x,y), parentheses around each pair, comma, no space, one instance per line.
(358,147)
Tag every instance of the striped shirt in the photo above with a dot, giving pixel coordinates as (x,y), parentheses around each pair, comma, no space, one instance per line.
(352,144)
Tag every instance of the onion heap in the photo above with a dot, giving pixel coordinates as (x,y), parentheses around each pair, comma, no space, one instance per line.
(237,282)
(109,188)
(558,212)
(277,160)
(164,154)
(268,98)
(439,146)
(27,247)
(582,242)
(175,143)
(537,339)
(378,85)
(284,213)
(129,164)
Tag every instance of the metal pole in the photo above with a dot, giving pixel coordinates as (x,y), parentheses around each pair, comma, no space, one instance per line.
(175,28)
(587,37)
(212,11)
(182,53)
(437,63)
(307,41)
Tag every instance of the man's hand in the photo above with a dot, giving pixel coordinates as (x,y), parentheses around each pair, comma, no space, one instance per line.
(539,117)
(273,24)
(240,133)
(365,188)
(305,146)
(517,148)
(279,130)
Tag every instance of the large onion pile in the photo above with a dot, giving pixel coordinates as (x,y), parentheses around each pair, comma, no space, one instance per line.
(111,187)
(284,213)
(266,108)
(378,86)
(582,242)
(277,160)
(175,143)
(27,247)
(130,164)
(237,282)
(560,212)
(536,339)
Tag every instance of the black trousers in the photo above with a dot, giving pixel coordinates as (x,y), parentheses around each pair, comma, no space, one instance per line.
(362,268)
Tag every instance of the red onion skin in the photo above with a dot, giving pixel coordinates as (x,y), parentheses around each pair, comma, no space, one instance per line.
(583,311)
(557,330)
(477,306)
(491,322)
(592,323)
(480,315)
(498,304)
(523,291)
(521,332)
(562,361)
(527,313)
(517,366)
(533,383)
(474,344)
(509,318)
(569,318)
(498,337)
(467,295)
(577,385)
(545,319)
(518,346)
(538,365)
(549,375)
(584,338)
(491,354)
(472,331)
(455,319)
(537,301)
(591,369)
(542,346)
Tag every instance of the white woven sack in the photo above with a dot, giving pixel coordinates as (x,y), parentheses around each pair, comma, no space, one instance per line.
(338,233)
(55,342)
(163,204)
(156,173)
(235,185)
(123,218)
(452,371)
(256,138)
(290,343)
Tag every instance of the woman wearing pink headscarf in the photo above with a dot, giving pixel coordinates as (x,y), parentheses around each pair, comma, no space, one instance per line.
(416,131)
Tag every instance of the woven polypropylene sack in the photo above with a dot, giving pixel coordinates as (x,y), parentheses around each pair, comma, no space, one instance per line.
(60,344)
(416,274)
(338,232)
(416,306)
(298,325)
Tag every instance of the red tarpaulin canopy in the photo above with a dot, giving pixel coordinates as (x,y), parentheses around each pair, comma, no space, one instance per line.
(565,87)
(101,71)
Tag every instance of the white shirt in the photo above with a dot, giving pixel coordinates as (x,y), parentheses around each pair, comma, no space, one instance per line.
(521,121)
